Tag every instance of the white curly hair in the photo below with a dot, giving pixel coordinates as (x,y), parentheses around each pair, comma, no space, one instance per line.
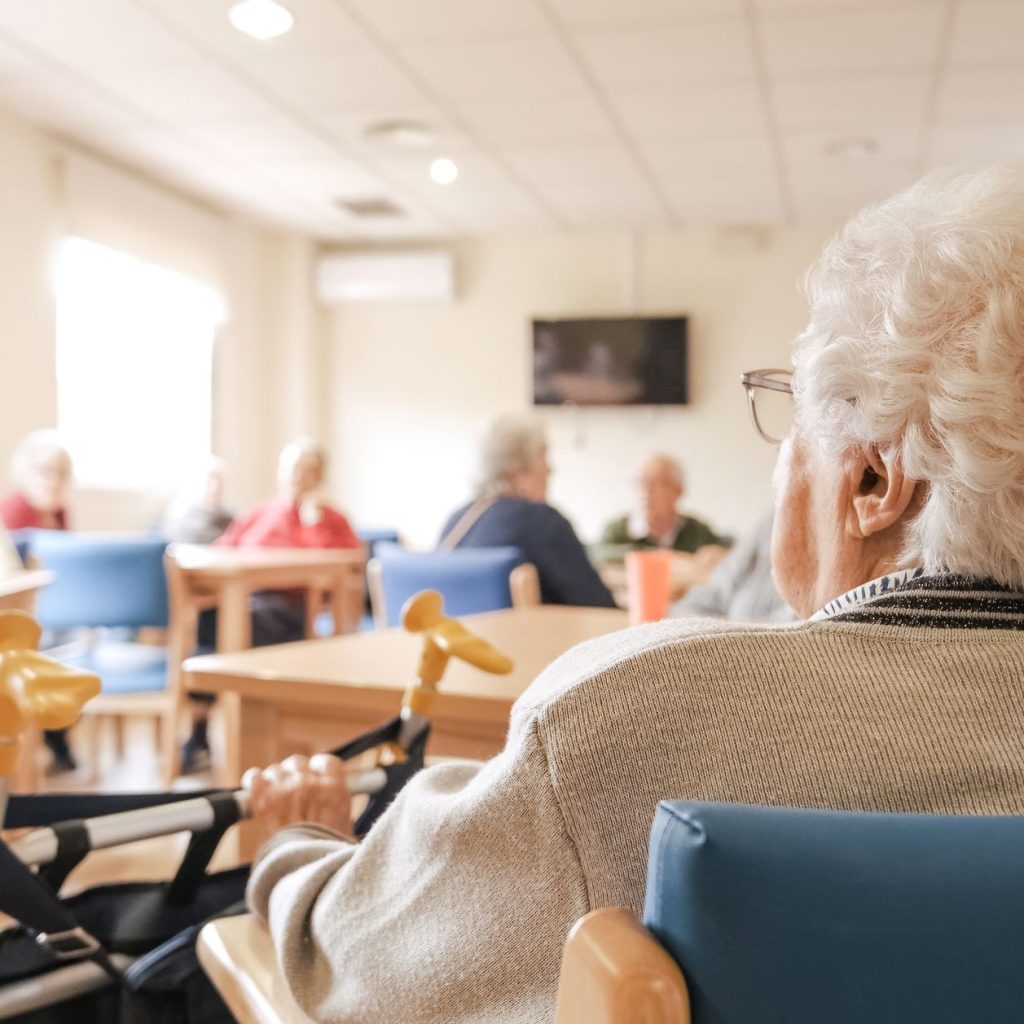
(916,339)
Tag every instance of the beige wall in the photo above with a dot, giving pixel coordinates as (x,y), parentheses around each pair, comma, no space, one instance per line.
(412,386)
(269,363)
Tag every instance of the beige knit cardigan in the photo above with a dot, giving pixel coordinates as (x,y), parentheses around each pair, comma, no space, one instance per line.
(456,906)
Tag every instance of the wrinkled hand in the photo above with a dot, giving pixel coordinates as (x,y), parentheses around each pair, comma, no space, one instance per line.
(308,789)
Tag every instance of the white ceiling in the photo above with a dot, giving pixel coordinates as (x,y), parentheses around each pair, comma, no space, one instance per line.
(559,113)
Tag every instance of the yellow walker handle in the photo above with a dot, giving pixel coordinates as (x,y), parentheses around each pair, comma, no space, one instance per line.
(443,638)
(35,691)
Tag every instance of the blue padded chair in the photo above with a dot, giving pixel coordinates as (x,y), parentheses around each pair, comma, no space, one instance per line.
(470,580)
(110,585)
(808,917)
(373,536)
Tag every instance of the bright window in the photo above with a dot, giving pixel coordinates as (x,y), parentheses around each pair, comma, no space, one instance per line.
(134,368)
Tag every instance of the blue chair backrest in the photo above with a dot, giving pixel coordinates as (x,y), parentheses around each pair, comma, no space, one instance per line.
(101,580)
(373,537)
(808,917)
(470,579)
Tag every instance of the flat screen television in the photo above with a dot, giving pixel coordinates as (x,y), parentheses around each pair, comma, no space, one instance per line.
(610,361)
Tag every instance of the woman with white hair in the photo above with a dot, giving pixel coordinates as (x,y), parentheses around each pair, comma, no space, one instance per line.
(511,509)
(298,517)
(899,532)
(41,474)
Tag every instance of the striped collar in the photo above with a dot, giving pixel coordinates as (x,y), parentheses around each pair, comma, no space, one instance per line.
(941,601)
(860,596)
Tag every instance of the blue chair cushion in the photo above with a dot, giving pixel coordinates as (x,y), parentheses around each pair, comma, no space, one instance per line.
(126,667)
(837,917)
(470,579)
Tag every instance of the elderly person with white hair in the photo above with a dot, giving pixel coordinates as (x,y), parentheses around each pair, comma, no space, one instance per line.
(41,474)
(658,523)
(298,517)
(511,508)
(899,533)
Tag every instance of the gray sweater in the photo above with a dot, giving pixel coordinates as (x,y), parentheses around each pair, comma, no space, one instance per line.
(456,906)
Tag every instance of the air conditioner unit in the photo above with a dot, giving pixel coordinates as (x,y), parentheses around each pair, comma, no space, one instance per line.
(420,276)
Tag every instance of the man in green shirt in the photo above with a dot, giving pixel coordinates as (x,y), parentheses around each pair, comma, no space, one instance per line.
(659,524)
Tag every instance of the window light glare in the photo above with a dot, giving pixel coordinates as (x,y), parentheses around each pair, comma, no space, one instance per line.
(261,19)
(443,171)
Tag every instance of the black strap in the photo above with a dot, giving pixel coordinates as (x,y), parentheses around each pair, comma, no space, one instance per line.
(30,901)
(201,848)
(386,733)
(72,847)
(397,776)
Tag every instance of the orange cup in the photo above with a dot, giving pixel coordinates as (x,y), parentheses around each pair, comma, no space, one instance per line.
(648,585)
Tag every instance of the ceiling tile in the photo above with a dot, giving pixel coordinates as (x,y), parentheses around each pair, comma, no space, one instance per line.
(640,12)
(981,96)
(345,80)
(611,205)
(856,41)
(991,143)
(553,167)
(662,58)
(726,158)
(92,34)
(450,19)
(172,92)
(268,139)
(814,6)
(515,67)
(564,118)
(988,32)
(851,104)
(751,199)
(820,199)
(691,112)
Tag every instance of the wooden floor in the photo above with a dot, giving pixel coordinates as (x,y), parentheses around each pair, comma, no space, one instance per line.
(136,771)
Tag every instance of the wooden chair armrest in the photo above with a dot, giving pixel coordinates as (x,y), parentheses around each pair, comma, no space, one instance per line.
(375,584)
(524,585)
(615,972)
(238,958)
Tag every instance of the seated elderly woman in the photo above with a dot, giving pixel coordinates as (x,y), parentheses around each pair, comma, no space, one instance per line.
(298,517)
(41,471)
(511,509)
(899,531)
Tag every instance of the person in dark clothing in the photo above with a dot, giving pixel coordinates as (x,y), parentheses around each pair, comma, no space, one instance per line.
(511,509)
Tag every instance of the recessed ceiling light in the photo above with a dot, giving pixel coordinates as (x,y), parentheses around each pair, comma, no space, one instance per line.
(443,171)
(401,134)
(261,19)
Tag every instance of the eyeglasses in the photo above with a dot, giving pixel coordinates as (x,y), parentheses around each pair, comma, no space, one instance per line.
(770,397)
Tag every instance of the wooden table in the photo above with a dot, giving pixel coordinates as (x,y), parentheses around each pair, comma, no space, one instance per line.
(314,695)
(227,577)
(202,576)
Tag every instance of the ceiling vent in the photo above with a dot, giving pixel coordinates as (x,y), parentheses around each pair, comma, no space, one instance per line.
(370,208)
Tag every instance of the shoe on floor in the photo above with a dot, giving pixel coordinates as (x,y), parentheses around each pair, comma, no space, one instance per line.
(195,756)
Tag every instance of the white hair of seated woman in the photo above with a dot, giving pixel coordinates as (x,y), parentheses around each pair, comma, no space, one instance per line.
(926,347)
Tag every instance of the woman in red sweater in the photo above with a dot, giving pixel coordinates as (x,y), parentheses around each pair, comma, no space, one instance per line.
(297,518)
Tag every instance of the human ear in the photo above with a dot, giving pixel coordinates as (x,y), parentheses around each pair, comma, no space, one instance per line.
(880,492)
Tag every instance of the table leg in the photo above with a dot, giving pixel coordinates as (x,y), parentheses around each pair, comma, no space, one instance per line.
(234,625)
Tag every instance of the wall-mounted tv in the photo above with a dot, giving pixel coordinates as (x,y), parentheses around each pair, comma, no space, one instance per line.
(615,361)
